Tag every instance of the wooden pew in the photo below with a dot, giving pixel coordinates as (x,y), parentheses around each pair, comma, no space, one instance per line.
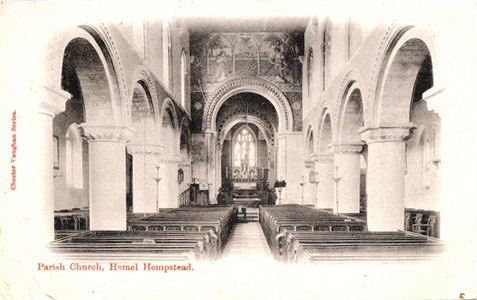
(219,220)
(72,219)
(127,245)
(276,219)
(422,221)
(345,246)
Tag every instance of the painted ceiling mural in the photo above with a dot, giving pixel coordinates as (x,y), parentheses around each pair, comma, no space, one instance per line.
(271,55)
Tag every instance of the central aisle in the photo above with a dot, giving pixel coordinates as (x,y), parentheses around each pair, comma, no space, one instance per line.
(247,241)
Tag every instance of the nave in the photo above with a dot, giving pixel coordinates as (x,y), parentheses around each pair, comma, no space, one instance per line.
(289,233)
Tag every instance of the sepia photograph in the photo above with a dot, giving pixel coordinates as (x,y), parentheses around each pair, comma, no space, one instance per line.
(238,150)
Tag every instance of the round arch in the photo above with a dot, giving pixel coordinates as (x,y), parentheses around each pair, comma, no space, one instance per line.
(143,120)
(184,130)
(147,80)
(325,132)
(103,46)
(253,85)
(309,142)
(351,116)
(402,61)
(168,111)
(251,119)
(169,104)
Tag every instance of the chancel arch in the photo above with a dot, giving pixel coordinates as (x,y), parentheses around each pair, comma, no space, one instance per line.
(258,86)
(252,117)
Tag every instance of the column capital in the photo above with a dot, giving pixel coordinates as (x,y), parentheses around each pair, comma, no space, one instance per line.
(387,133)
(107,133)
(51,101)
(347,148)
(322,158)
(150,149)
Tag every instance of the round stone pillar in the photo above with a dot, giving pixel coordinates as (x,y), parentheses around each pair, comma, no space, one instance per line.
(346,177)
(145,158)
(168,186)
(107,175)
(324,176)
(385,176)
(35,171)
(308,188)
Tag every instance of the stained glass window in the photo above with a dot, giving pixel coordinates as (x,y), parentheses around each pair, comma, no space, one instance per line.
(244,149)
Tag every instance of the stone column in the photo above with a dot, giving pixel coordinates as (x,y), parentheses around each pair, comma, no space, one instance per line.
(324,175)
(35,173)
(281,156)
(308,189)
(145,158)
(385,176)
(168,186)
(272,176)
(211,146)
(107,175)
(347,170)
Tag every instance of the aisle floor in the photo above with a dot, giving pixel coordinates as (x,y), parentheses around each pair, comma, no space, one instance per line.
(247,241)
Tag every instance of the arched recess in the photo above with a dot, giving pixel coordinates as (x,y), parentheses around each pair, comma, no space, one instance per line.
(83,63)
(326,133)
(324,161)
(143,119)
(351,116)
(88,74)
(310,143)
(403,59)
(406,73)
(234,124)
(143,76)
(107,85)
(269,136)
(348,160)
(184,140)
(253,85)
(169,127)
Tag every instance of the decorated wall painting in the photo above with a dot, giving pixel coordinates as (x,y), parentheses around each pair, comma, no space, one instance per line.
(270,55)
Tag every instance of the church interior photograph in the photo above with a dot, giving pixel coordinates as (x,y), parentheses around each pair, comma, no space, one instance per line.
(309,140)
